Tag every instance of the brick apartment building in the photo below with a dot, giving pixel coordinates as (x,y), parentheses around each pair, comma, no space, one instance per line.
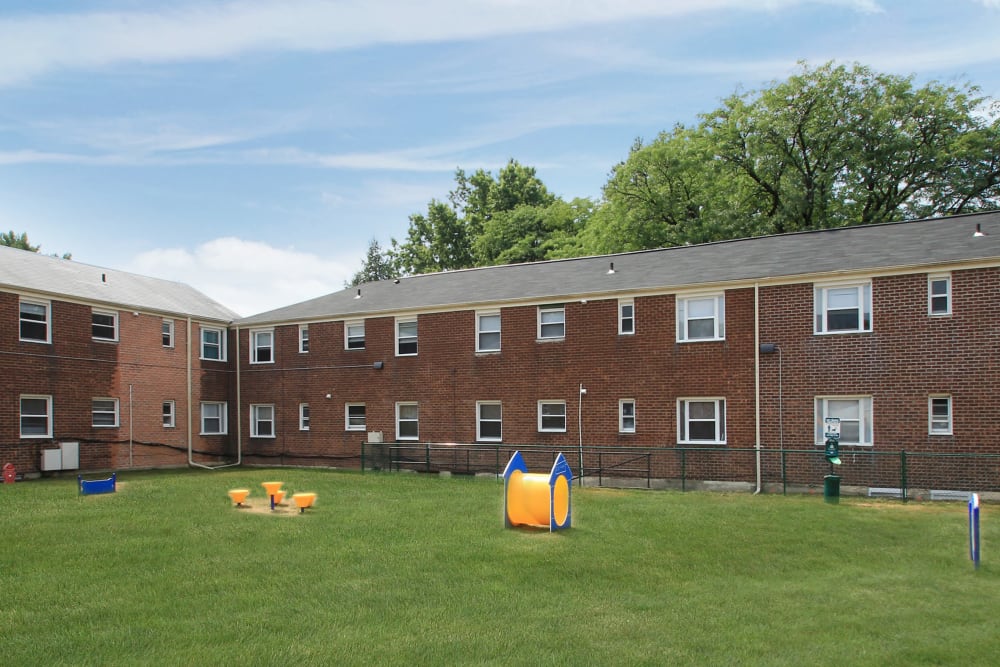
(739,348)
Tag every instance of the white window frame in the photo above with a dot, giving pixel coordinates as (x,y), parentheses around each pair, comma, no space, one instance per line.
(95,411)
(167,333)
(35,415)
(169,410)
(931,296)
(684,420)
(822,310)
(262,413)
(353,338)
(303,416)
(222,417)
(94,313)
(550,415)
(488,332)
(257,346)
(303,339)
(408,338)
(480,420)
(626,306)
(348,426)
(716,301)
(865,421)
(47,322)
(546,325)
(624,419)
(400,406)
(205,344)
(937,425)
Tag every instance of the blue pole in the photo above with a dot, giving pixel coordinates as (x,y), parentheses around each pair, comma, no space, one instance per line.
(974,529)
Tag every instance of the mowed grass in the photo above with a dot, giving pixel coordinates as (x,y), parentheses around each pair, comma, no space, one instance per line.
(406,569)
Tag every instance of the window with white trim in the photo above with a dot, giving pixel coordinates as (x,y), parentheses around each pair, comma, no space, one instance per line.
(626,415)
(104,325)
(261,421)
(488,332)
(354,335)
(262,347)
(701,421)
(355,418)
(213,344)
(855,414)
(489,421)
(701,317)
(552,416)
(36,416)
(939,414)
(214,418)
(843,308)
(303,416)
(169,414)
(34,321)
(167,330)
(406,338)
(939,295)
(407,421)
(303,338)
(626,317)
(551,322)
(104,412)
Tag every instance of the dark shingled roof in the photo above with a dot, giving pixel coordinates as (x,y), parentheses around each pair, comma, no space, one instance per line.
(886,247)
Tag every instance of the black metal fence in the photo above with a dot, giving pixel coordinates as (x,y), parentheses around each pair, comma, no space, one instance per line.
(903,474)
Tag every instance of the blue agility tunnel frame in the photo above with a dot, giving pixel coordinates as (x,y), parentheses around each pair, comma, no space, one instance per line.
(89,487)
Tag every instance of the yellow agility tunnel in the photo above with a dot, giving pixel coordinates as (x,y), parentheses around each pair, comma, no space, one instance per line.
(537,499)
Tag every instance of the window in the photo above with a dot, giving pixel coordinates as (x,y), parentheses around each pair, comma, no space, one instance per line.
(626,317)
(261,421)
(262,347)
(35,321)
(939,295)
(213,344)
(626,415)
(104,325)
(168,333)
(354,335)
(214,419)
(701,420)
(36,416)
(406,337)
(169,414)
(303,338)
(354,417)
(489,421)
(843,308)
(701,317)
(551,322)
(488,332)
(552,416)
(303,416)
(855,414)
(939,415)
(407,421)
(104,412)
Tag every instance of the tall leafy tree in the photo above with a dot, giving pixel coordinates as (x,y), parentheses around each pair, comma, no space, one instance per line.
(375,266)
(13,240)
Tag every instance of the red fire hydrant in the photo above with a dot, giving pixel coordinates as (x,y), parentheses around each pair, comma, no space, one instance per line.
(9,473)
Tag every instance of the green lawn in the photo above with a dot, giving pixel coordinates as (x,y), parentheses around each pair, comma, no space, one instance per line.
(406,569)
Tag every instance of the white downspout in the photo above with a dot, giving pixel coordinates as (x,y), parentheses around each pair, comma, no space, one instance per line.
(756,373)
(190,408)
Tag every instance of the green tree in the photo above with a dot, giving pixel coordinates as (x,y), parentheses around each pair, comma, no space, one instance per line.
(12,240)
(531,233)
(438,241)
(375,266)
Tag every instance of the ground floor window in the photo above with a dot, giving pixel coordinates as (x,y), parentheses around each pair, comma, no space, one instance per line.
(303,416)
(407,421)
(355,418)
(104,412)
(213,419)
(939,415)
(626,416)
(552,416)
(855,414)
(489,421)
(36,416)
(169,414)
(262,421)
(701,420)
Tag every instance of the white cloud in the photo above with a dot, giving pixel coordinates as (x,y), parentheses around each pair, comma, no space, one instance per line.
(248,276)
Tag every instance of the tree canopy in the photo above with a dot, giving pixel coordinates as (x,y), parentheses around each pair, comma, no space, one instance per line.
(20,241)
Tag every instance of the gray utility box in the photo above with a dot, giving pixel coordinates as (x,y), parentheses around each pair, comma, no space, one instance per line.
(67,457)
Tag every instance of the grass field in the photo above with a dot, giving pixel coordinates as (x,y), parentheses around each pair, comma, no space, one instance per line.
(406,569)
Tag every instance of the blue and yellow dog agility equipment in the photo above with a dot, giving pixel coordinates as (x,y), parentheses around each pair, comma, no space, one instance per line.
(537,499)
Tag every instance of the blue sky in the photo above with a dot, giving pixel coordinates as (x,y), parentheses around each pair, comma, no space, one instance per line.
(253,148)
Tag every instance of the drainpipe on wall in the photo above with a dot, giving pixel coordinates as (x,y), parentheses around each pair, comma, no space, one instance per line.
(756,373)
(190,408)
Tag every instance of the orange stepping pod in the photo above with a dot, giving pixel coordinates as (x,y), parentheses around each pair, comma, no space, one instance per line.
(303,500)
(239,495)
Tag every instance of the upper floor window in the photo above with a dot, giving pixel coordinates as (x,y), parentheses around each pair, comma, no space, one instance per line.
(104,325)
(407,421)
(406,337)
(303,416)
(104,412)
(701,420)
(626,415)
(213,344)
(551,322)
(169,414)
(489,421)
(261,421)
(354,417)
(701,317)
(854,413)
(36,416)
(939,295)
(843,308)
(939,415)
(303,338)
(626,316)
(488,332)
(34,321)
(214,419)
(552,416)
(354,335)
(262,347)
(168,333)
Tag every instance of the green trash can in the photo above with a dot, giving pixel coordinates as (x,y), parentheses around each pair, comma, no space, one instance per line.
(831,489)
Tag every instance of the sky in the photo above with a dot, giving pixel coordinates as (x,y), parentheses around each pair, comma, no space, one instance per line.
(254,148)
